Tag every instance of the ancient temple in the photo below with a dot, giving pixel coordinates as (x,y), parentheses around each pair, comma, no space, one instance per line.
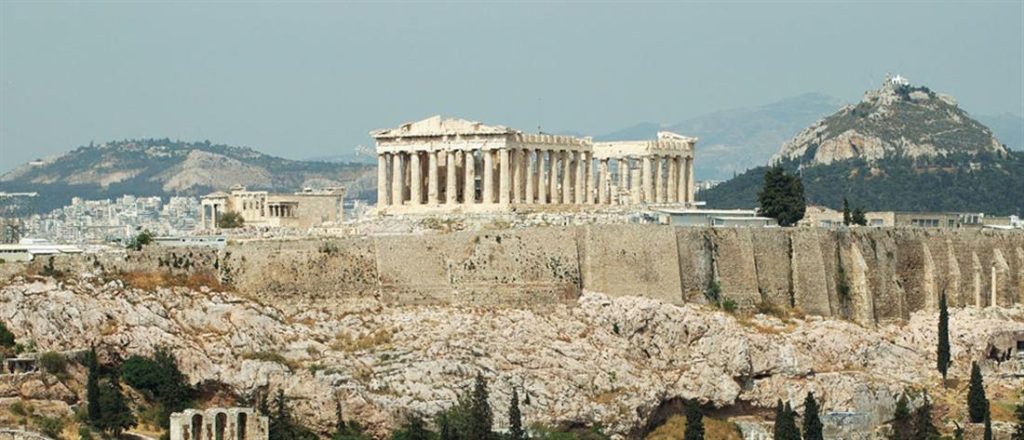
(438,165)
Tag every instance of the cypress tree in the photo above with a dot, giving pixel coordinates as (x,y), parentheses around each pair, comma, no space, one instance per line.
(116,415)
(789,430)
(924,429)
(481,418)
(92,387)
(846,212)
(1018,429)
(444,427)
(780,421)
(977,403)
(902,425)
(988,426)
(943,354)
(694,422)
(812,422)
(515,419)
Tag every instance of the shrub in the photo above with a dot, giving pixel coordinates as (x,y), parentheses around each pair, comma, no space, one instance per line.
(729,305)
(50,426)
(6,337)
(53,363)
(230,220)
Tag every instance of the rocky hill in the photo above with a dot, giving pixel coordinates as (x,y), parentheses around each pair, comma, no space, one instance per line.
(164,167)
(623,363)
(903,148)
(897,120)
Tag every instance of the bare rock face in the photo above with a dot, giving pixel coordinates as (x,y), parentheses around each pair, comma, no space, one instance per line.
(211,170)
(607,360)
(897,120)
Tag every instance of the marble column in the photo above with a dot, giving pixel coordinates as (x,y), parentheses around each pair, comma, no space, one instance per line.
(602,182)
(554,163)
(581,178)
(397,179)
(588,172)
(659,179)
(505,175)
(691,189)
(382,180)
(488,196)
(567,173)
(682,180)
(542,177)
(623,172)
(517,175)
(646,181)
(531,176)
(635,179)
(416,180)
(673,179)
(469,182)
(450,180)
(433,180)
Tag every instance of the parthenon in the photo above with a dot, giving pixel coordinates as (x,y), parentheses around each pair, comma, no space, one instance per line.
(453,164)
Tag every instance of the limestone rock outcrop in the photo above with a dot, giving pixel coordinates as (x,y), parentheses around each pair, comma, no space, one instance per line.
(599,359)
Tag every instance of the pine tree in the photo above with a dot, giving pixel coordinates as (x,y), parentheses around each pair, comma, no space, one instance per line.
(694,422)
(782,197)
(924,429)
(481,418)
(988,426)
(515,419)
(977,403)
(812,422)
(902,425)
(116,415)
(92,387)
(943,354)
(785,423)
(413,429)
(1018,429)
(846,212)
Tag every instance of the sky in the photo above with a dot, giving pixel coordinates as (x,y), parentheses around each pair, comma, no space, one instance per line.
(311,79)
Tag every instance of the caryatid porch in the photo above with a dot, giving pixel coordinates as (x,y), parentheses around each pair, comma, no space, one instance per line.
(446,164)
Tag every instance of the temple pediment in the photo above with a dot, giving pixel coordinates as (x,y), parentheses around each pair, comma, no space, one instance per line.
(439,126)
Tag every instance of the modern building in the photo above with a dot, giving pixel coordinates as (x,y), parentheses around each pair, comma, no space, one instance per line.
(300,210)
(825,217)
(445,165)
(715,217)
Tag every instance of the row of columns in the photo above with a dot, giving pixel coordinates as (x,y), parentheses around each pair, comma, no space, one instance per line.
(530,176)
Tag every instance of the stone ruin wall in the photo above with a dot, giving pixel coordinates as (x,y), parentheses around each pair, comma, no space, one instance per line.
(866,274)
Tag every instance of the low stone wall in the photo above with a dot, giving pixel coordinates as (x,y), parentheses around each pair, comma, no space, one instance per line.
(18,434)
(864,274)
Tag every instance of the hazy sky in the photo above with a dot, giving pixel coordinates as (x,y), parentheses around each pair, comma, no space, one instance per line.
(311,79)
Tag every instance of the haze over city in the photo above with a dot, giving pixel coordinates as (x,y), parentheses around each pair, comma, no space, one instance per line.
(311,79)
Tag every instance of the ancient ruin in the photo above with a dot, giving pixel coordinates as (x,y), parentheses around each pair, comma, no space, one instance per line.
(219,424)
(442,165)
(302,209)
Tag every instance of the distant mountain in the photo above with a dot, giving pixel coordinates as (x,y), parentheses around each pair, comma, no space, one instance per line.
(162,167)
(732,141)
(1008,128)
(901,148)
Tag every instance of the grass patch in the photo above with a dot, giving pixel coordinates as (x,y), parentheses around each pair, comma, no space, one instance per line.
(347,343)
(271,356)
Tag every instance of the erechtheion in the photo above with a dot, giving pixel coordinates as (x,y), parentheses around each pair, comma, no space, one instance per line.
(302,209)
(453,164)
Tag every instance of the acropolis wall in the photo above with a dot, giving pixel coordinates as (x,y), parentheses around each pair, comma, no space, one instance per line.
(865,274)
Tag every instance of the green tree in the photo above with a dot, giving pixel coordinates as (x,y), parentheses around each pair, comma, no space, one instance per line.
(445,431)
(943,355)
(924,429)
(281,425)
(782,197)
(694,422)
(116,416)
(230,220)
(1018,429)
(847,219)
(515,419)
(988,427)
(785,423)
(139,241)
(977,403)
(92,387)
(413,429)
(347,431)
(6,337)
(160,377)
(902,424)
(812,421)
(481,418)
(859,217)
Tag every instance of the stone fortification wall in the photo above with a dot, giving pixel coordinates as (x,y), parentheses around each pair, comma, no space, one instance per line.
(864,274)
